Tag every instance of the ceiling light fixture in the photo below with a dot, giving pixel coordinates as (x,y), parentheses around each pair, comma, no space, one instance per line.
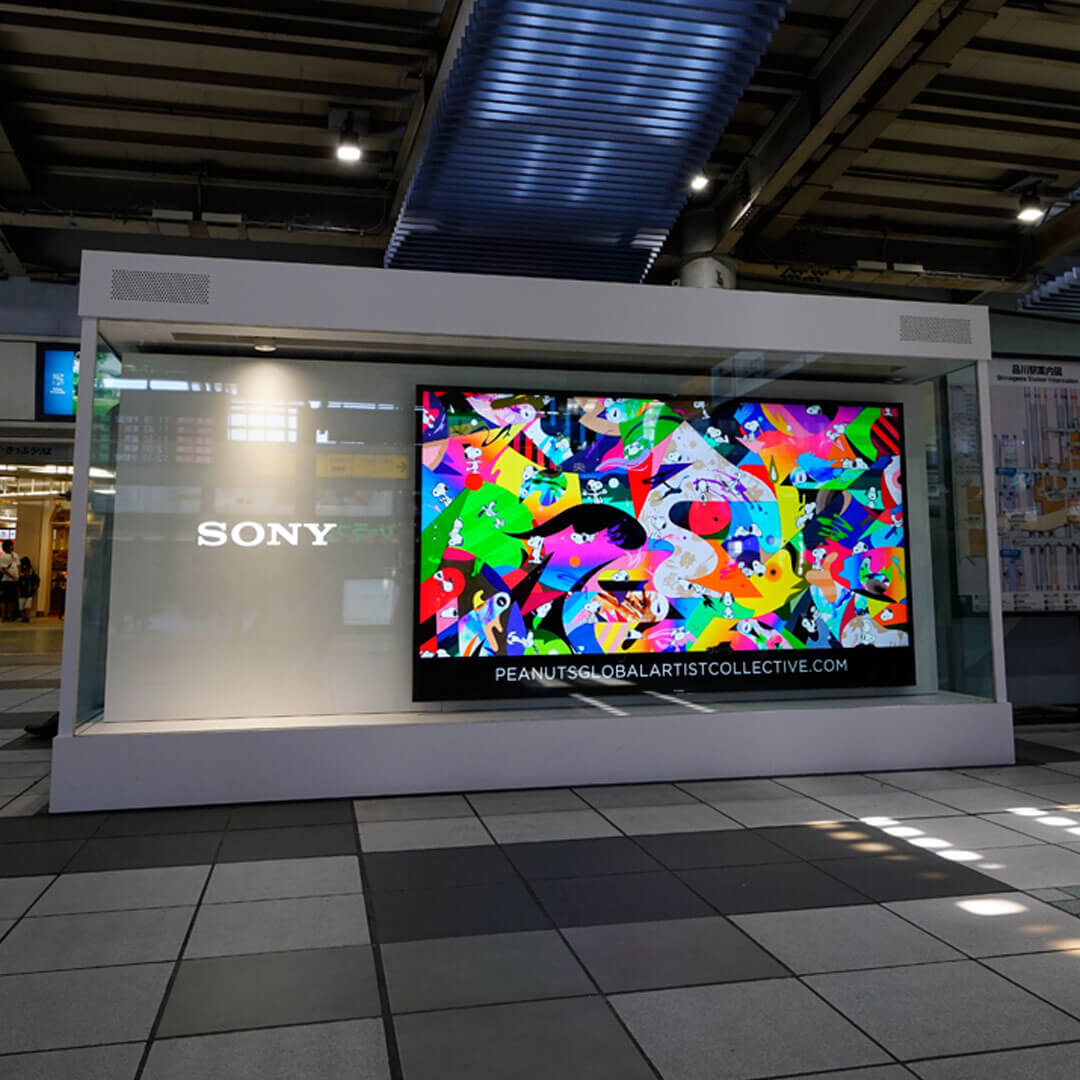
(265,346)
(348,147)
(1031,211)
(699,182)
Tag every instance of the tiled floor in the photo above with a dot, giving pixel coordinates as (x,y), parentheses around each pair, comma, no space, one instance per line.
(843,928)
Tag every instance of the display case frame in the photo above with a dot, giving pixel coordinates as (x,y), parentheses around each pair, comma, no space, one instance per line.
(142,298)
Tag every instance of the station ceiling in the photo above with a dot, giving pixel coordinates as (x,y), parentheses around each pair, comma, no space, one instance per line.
(879,144)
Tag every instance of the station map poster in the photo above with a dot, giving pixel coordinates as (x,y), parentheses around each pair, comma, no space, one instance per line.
(570,542)
(1035,410)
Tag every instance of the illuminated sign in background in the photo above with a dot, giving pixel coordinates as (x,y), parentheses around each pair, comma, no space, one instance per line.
(59,377)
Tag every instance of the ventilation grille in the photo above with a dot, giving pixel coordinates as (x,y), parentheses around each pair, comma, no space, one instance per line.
(935,331)
(151,287)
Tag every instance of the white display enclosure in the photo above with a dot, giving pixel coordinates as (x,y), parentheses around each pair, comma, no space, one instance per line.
(189,678)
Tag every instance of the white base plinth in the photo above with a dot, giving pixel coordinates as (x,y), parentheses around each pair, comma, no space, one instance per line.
(327,757)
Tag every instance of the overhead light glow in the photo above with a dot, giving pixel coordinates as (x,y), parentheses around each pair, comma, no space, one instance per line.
(265,346)
(990,907)
(1031,211)
(348,149)
(699,183)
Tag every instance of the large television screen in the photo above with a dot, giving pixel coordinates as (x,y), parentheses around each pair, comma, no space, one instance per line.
(577,543)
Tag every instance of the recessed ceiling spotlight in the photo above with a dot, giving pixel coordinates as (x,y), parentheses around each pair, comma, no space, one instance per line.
(699,182)
(348,149)
(1031,211)
(265,346)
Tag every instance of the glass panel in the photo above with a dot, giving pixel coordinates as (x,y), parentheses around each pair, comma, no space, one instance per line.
(251,551)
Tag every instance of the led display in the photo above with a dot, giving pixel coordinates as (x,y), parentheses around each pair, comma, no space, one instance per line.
(571,542)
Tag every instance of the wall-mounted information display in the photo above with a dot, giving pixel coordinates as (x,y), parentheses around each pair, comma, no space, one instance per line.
(639,543)
(1036,422)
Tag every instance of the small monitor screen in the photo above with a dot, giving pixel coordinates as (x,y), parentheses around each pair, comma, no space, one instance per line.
(574,543)
(58,377)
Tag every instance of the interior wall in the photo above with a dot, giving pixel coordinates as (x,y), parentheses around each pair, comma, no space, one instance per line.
(18,378)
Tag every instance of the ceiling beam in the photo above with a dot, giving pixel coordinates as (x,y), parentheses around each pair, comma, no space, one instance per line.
(274,232)
(395,27)
(395,56)
(868,42)
(952,34)
(374,148)
(13,178)
(810,273)
(1003,156)
(245,82)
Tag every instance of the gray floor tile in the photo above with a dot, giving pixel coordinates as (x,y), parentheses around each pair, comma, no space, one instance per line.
(817,787)
(486,970)
(275,879)
(412,807)
(497,908)
(938,1009)
(739,890)
(927,780)
(1016,776)
(619,898)
(971,833)
(842,939)
(293,814)
(413,835)
(319,922)
(994,925)
(80,1008)
(614,796)
(15,785)
(540,800)
(96,940)
(1055,796)
(132,852)
(982,800)
(568,1039)
(354,1049)
(18,893)
(118,890)
(891,804)
(159,822)
(912,875)
(795,810)
(1050,827)
(1041,866)
(682,952)
(1041,1063)
(1054,976)
(549,825)
(714,791)
(287,842)
(651,820)
(33,860)
(743,1030)
(1050,894)
(878,1072)
(307,986)
(89,1063)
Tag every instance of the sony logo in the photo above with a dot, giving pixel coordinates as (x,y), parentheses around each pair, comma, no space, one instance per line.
(250,534)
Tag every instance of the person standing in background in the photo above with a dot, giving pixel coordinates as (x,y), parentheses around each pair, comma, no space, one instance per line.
(27,587)
(9,581)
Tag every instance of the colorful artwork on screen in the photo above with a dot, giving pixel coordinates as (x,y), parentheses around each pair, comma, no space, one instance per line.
(562,525)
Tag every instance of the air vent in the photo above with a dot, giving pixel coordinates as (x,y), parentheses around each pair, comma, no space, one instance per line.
(151,287)
(935,331)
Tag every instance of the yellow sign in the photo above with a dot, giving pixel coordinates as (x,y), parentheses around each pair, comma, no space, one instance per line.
(380,466)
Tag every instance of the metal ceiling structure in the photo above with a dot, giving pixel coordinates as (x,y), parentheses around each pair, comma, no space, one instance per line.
(879,143)
(569,130)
